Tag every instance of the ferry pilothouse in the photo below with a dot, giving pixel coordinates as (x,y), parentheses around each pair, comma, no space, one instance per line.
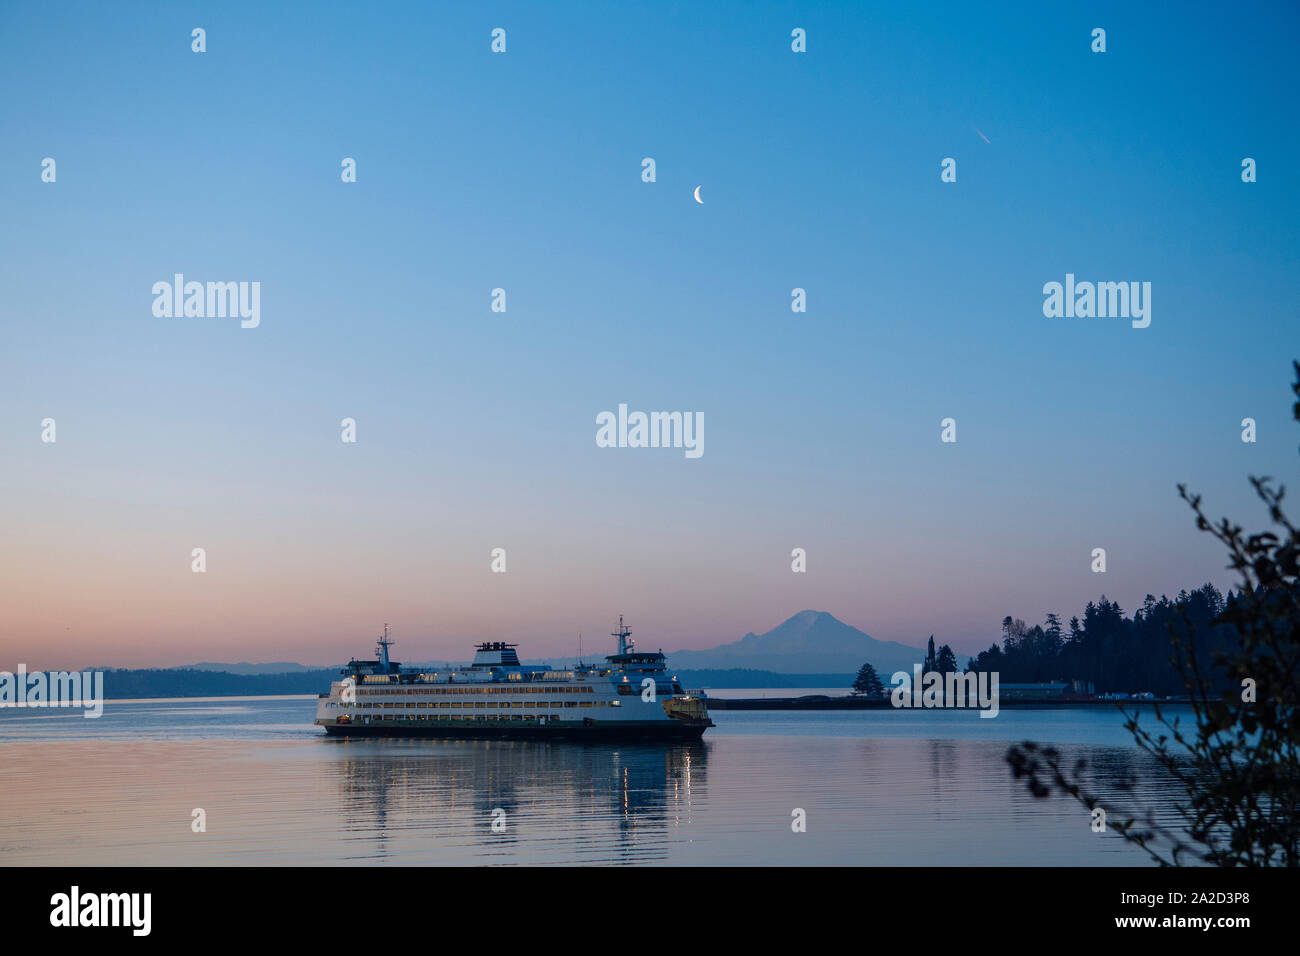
(630,695)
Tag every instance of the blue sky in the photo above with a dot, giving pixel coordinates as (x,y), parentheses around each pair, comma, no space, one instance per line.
(522,170)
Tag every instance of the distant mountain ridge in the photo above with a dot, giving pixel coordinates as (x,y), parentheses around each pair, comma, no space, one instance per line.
(810,641)
(120,684)
(245,668)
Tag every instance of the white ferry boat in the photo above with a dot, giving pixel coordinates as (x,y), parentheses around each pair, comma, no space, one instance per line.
(630,695)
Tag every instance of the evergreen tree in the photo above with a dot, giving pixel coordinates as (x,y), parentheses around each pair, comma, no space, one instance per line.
(1053,639)
(986,661)
(868,682)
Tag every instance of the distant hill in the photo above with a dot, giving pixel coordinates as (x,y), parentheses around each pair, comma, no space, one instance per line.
(189,682)
(737,677)
(243,667)
(811,649)
(811,641)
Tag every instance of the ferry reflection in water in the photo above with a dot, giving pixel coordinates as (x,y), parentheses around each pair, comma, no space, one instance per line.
(433,801)
(931,789)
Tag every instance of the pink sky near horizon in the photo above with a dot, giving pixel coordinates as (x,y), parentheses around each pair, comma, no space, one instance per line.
(307,571)
(137,611)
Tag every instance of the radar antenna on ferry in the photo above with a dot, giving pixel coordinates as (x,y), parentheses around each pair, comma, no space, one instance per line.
(382,646)
(623,632)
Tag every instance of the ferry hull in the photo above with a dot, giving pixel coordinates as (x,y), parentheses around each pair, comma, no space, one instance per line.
(622,730)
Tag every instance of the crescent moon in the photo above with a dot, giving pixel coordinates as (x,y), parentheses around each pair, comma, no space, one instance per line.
(697,194)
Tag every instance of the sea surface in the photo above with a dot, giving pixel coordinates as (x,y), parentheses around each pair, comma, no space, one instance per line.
(875,787)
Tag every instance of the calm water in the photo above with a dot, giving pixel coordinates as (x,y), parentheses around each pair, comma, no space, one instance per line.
(878,787)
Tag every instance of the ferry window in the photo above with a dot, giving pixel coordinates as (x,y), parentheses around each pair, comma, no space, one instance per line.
(585,703)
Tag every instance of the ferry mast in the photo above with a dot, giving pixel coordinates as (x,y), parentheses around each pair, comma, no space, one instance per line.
(622,634)
(381,648)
